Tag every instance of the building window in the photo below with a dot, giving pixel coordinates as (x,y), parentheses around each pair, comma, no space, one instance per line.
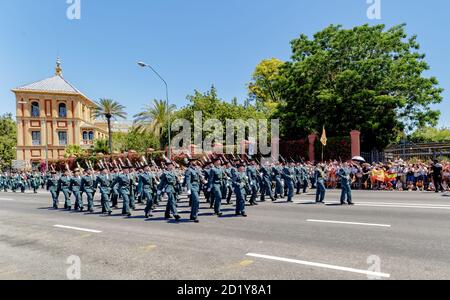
(36,138)
(85,135)
(35,111)
(62,110)
(62,137)
(91,135)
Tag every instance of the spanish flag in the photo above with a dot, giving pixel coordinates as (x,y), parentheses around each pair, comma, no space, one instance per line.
(324,139)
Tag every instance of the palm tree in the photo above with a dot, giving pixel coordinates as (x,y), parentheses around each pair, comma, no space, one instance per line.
(154,117)
(110,110)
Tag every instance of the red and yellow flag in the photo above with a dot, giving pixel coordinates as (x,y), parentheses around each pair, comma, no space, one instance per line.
(324,139)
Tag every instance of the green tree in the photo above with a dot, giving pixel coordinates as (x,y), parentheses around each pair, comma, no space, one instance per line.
(213,107)
(108,110)
(74,150)
(366,78)
(134,140)
(154,118)
(8,140)
(101,146)
(264,80)
(431,135)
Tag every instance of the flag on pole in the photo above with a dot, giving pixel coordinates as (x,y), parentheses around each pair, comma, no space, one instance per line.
(324,139)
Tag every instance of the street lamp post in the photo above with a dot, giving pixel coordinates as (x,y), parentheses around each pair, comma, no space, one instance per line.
(145,65)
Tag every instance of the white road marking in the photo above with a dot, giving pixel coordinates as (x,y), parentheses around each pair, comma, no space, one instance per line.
(320,265)
(77,228)
(408,204)
(349,223)
(404,206)
(6,199)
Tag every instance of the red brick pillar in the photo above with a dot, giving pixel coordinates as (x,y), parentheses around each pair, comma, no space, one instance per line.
(356,142)
(312,140)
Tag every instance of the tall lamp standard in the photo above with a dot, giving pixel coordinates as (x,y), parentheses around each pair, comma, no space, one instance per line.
(145,65)
(46,136)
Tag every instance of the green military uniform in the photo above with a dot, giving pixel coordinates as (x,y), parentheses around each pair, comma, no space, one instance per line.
(103,182)
(167,186)
(146,182)
(53,188)
(75,188)
(214,185)
(64,187)
(241,185)
(87,186)
(123,183)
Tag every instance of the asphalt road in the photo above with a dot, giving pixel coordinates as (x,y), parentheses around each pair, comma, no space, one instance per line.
(387,235)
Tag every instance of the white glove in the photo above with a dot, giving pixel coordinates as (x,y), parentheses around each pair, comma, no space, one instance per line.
(189,192)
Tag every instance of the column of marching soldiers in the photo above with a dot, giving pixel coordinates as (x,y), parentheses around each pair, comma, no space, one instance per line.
(217,177)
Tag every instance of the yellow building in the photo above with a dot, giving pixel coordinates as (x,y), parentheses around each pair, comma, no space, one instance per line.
(53,112)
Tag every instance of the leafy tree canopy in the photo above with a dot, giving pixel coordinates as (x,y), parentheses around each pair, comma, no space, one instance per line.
(431,135)
(8,140)
(367,78)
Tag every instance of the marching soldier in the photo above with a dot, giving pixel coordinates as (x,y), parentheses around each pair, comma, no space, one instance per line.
(319,178)
(192,179)
(123,183)
(147,182)
(206,175)
(344,176)
(252,175)
(167,186)
(64,187)
(75,188)
(103,183)
(115,189)
(277,171)
(214,186)
(304,178)
(289,179)
(241,185)
(35,181)
(266,179)
(87,186)
(228,182)
(53,188)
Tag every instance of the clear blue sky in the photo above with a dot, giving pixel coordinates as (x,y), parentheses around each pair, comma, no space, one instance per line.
(192,43)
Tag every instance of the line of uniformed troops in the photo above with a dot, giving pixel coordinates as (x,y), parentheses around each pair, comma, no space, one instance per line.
(22,181)
(218,179)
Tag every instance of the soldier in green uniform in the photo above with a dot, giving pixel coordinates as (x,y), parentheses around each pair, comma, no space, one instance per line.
(146,183)
(252,175)
(241,185)
(319,178)
(115,189)
(289,179)
(277,172)
(64,187)
(266,180)
(133,187)
(53,188)
(35,181)
(87,186)
(103,183)
(75,188)
(167,186)
(192,179)
(123,183)
(214,186)
(20,182)
(344,176)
